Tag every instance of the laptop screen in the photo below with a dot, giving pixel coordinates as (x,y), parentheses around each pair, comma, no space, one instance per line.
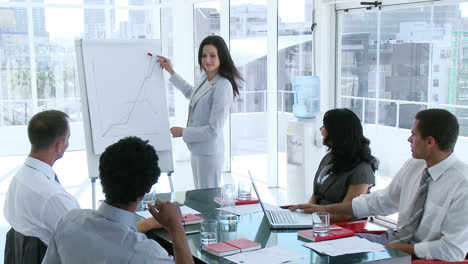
(256,191)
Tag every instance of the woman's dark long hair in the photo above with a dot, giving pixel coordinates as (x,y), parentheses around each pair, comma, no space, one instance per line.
(227,69)
(346,140)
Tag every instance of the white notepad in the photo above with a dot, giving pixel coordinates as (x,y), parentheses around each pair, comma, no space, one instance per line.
(183,209)
(347,245)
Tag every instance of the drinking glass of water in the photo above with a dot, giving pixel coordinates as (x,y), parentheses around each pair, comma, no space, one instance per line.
(148,198)
(244,190)
(227,212)
(321,223)
(208,231)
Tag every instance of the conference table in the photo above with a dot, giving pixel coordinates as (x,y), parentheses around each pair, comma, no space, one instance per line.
(255,227)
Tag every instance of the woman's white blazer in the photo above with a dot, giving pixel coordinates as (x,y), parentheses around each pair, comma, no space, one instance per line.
(204,132)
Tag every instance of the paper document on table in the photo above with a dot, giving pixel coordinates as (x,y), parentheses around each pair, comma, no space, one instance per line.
(270,255)
(243,209)
(144,214)
(341,246)
(187,210)
(183,209)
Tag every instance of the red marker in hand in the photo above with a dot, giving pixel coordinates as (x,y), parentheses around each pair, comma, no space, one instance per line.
(149,54)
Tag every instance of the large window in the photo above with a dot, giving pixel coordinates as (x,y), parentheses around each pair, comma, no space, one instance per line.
(15,73)
(295,59)
(248,33)
(54,50)
(206,22)
(394,62)
(37,54)
(38,64)
(167,39)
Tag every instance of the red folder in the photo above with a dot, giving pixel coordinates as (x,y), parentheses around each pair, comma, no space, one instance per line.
(238,202)
(220,249)
(244,244)
(190,219)
(231,247)
(334,234)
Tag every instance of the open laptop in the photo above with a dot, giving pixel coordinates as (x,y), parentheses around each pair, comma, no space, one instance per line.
(282,218)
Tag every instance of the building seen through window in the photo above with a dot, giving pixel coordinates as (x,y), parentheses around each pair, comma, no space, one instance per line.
(414,63)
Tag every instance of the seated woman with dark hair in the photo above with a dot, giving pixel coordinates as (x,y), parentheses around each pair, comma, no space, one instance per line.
(347,170)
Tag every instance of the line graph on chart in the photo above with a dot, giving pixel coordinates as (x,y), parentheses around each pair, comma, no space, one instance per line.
(126,94)
(139,104)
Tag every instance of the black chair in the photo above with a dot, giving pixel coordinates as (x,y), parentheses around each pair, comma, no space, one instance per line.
(21,249)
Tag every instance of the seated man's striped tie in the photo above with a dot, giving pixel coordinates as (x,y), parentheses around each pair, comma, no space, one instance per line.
(406,231)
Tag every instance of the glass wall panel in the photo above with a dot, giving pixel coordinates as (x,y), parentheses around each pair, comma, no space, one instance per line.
(449,83)
(133,23)
(248,32)
(65,1)
(357,54)
(388,113)
(295,59)
(369,116)
(134,2)
(39,68)
(354,105)
(416,60)
(15,73)
(167,39)
(55,59)
(404,63)
(95,23)
(205,23)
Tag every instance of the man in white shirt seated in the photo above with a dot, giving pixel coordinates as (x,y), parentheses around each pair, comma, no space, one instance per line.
(35,200)
(430,192)
(127,170)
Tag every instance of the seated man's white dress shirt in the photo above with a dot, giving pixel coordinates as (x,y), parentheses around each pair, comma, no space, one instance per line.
(107,235)
(35,202)
(443,231)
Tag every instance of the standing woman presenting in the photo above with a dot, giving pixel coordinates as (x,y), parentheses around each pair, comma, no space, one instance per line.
(210,102)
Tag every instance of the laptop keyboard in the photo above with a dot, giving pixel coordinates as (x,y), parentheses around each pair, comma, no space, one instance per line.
(282,217)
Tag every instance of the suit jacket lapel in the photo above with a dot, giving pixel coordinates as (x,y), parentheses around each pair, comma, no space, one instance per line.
(328,182)
(213,83)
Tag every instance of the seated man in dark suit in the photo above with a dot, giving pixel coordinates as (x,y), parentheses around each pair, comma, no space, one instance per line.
(430,192)
(127,169)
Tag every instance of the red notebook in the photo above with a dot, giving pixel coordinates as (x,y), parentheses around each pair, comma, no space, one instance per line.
(334,234)
(231,247)
(244,244)
(190,219)
(238,202)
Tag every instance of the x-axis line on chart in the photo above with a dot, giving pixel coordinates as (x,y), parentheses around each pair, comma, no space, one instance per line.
(138,98)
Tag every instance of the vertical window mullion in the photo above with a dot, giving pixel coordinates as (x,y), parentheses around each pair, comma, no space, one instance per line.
(431,51)
(272,92)
(107,14)
(32,58)
(224,15)
(377,68)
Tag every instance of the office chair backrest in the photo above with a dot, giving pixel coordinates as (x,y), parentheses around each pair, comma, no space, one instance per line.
(21,249)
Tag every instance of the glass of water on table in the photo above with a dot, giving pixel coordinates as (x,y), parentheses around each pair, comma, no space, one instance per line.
(208,231)
(321,223)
